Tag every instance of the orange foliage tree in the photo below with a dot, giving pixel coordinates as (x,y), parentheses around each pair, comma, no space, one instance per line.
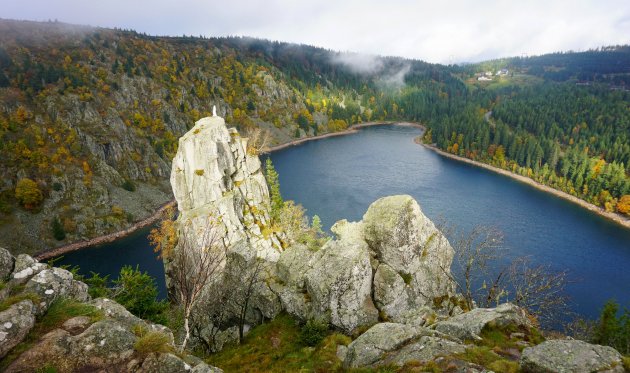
(623,205)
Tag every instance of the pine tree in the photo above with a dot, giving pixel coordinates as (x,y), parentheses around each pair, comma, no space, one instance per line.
(274,189)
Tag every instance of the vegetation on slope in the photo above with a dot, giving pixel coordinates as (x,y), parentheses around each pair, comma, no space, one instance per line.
(90,117)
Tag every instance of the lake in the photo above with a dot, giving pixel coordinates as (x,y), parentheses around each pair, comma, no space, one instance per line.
(339,177)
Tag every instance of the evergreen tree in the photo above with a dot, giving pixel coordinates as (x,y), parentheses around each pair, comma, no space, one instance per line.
(274,189)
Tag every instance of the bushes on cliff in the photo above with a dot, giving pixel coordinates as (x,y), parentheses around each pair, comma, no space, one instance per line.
(27,192)
(613,330)
(134,289)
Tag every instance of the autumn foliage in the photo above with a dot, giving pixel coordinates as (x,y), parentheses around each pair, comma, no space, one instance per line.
(27,192)
(623,206)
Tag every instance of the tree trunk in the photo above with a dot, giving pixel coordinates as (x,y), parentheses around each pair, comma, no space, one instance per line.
(187,330)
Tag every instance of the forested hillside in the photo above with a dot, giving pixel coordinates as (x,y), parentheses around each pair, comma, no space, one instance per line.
(90,117)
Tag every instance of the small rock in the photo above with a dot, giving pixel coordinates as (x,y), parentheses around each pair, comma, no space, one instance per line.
(77,324)
(342,352)
(23,261)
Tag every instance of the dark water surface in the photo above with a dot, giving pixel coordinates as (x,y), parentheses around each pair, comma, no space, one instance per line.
(340,177)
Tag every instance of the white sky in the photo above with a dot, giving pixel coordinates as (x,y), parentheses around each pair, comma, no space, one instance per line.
(441,31)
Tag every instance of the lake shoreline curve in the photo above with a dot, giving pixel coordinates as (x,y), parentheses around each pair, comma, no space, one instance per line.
(78,245)
(625,222)
(619,219)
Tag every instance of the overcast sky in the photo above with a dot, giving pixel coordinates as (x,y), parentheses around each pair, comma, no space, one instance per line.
(441,31)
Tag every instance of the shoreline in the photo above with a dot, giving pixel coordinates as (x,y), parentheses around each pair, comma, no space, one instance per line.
(619,219)
(75,246)
(78,245)
(348,131)
(625,222)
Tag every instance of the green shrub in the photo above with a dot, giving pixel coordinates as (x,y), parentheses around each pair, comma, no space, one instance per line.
(613,330)
(97,285)
(138,292)
(129,185)
(313,332)
(57,228)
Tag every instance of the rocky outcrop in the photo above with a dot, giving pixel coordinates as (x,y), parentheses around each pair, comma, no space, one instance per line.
(15,323)
(7,261)
(398,344)
(468,326)
(403,238)
(339,284)
(104,341)
(214,176)
(392,265)
(569,356)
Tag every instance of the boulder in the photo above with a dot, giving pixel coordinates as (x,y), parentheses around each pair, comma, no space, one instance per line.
(52,283)
(390,293)
(101,347)
(170,363)
(373,345)
(105,342)
(15,323)
(425,349)
(401,236)
(7,261)
(23,261)
(468,326)
(115,311)
(339,283)
(25,267)
(292,265)
(568,356)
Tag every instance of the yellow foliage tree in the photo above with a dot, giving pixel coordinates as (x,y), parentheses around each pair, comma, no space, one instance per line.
(623,205)
(27,192)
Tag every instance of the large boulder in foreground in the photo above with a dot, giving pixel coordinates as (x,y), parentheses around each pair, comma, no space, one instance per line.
(569,356)
(402,237)
(340,285)
(393,266)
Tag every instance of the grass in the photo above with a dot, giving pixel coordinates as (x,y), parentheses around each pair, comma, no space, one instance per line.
(277,347)
(13,299)
(59,312)
(626,362)
(152,341)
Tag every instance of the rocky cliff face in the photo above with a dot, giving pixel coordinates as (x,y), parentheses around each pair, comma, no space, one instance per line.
(393,265)
(104,339)
(215,177)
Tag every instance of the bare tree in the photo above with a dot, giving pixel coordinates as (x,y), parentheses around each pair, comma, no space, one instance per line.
(537,288)
(484,281)
(192,266)
(258,140)
(475,255)
(244,290)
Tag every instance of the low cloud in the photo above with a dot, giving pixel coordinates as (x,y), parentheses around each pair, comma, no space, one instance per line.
(359,63)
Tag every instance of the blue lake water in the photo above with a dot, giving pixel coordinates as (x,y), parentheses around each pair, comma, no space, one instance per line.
(340,177)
